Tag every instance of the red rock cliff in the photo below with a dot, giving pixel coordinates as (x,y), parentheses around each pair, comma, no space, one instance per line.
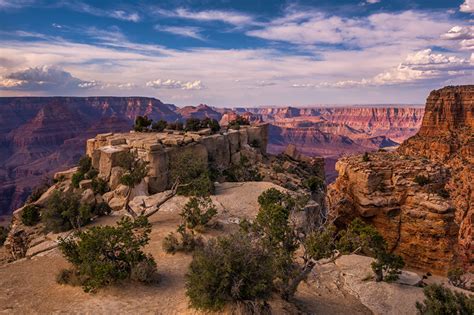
(430,223)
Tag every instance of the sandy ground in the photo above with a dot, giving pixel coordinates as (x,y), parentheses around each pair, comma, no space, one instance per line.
(29,286)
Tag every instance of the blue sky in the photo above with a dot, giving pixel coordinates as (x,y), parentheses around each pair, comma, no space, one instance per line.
(237,53)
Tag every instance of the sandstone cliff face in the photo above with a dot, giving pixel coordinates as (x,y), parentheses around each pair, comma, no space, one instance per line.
(429,222)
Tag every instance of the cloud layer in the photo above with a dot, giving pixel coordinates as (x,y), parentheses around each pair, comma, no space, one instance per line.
(175,84)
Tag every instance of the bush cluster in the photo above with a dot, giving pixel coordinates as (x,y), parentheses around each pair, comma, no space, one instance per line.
(365,238)
(30,215)
(237,122)
(186,241)
(232,268)
(441,300)
(192,175)
(245,171)
(198,212)
(195,124)
(105,255)
(136,169)
(64,212)
(314,183)
(85,171)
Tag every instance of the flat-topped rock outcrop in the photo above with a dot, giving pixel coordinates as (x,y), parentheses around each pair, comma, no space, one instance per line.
(218,150)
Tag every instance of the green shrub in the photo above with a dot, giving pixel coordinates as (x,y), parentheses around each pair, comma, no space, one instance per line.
(77,177)
(104,255)
(3,235)
(314,183)
(136,169)
(211,124)
(441,300)
(159,126)
(245,171)
(193,124)
(142,123)
(237,122)
(144,271)
(178,126)
(64,211)
(192,174)
(365,238)
(100,186)
(85,164)
(30,215)
(421,180)
(198,212)
(91,174)
(228,270)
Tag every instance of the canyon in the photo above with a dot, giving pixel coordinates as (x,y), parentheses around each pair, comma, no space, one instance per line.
(41,135)
(420,197)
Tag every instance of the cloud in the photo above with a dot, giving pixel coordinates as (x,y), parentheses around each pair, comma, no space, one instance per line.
(175,84)
(44,78)
(372,1)
(467,6)
(264,83)
(116,14)
(230,17)
(318,28)
(185,31)
(15,4)
(464,35)
(421,66)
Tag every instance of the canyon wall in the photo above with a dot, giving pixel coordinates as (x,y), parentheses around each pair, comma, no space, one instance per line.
(42,135)
(421,197)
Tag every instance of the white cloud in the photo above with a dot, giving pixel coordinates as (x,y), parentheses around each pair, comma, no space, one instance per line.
(464,35)
(15,4)
(467,6)
(421,66)
(44,78)
(230,17)
(175,84)
(186,31)
(314,27)
(116,14)
(372,1)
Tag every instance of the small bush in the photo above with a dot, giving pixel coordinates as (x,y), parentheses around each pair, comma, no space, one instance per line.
(76,179)
(228,270)
(85,164)
(211,124)
(421,180)
(136,169)
(30,215)
(365,157)
(236,123)
(245,171)
(441,300)
(178,126)
(314,183)
(101,209)
(159,126)
(3,235)
(100,186)
(198,212)
(192,175)
(62,212)
(142,123)
(193,124)
(104,255)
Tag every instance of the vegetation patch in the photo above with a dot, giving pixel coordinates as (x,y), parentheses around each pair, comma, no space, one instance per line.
(30,215)
(192,175)
(441,300)
(105,255)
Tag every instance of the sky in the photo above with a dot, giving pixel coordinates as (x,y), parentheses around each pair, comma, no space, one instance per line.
(237,53)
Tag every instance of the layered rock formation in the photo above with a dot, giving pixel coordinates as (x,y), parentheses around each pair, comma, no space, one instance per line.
(421,196)
(42,135)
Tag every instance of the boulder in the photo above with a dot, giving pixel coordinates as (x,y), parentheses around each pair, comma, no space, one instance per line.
(115,176)
(88,196)
(85,184)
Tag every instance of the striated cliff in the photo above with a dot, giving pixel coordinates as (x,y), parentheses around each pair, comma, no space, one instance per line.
(421,196)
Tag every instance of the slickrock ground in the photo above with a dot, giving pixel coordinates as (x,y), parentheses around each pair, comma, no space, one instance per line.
(430,225)
(29,286)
